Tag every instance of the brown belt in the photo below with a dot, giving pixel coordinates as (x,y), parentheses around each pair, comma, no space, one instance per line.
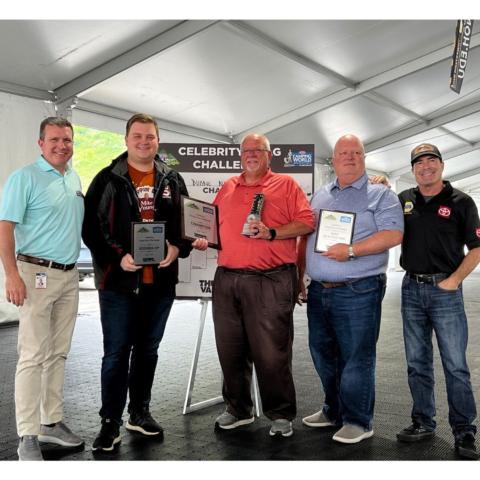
(44,263)
(333,284)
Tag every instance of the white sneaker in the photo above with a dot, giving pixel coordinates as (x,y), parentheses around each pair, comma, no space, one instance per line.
(282,427)
(318,419)
(59,434)
(227,421)
(352,434)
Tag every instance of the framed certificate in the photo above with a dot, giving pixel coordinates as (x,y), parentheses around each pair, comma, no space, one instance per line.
(334,227)
(200,220)
(148,242)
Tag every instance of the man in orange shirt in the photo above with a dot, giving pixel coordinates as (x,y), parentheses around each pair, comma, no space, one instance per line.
(255,288)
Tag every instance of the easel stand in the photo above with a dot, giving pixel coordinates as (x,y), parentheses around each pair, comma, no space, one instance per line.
(188,407)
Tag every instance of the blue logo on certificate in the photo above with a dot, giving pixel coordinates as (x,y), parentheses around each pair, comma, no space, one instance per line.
(344,219)
(157,229)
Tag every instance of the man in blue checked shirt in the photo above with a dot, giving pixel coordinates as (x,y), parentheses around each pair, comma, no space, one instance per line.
(346,292)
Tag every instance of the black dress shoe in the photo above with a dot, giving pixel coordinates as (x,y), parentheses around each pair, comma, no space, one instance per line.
(414,433)
(466,448)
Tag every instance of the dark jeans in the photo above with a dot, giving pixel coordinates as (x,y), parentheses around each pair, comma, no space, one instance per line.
(344,324)
(253,318)
(427,308)
(133,327)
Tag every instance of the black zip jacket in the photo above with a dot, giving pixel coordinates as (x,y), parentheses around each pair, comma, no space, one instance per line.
(111,205)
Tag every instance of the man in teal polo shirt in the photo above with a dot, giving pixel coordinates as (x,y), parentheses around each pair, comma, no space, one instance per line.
(41,218)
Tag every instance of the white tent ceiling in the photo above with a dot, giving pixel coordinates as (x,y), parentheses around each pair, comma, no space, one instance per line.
(297,81)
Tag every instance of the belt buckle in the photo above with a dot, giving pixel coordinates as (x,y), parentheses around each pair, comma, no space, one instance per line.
(427,279)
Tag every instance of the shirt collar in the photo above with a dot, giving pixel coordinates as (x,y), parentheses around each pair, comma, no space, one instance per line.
(263,181)
(444,193)
(47,167)
(358,184)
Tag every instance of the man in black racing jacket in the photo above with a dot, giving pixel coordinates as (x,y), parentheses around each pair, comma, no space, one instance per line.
(135,301)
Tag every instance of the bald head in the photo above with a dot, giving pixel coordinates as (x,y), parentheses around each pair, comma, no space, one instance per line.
(349,139)
(348,159)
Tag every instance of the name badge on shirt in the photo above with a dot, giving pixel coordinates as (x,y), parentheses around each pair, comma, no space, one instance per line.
(40,280)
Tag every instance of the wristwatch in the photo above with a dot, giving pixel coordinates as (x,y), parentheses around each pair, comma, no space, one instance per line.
(351,255)
(273,234)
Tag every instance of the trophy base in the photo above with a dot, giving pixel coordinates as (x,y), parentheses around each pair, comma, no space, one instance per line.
(247,232)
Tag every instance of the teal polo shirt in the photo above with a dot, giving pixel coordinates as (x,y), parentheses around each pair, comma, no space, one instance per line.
(48,210)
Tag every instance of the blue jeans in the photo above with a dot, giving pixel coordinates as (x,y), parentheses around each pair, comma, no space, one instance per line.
(133,326)
(344,323)
(427,308)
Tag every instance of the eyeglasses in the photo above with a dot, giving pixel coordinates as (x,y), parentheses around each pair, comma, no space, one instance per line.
(257,151)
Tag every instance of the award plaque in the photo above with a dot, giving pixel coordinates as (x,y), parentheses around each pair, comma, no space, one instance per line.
(255,214)
(148,242)
(200,220)
(334,227)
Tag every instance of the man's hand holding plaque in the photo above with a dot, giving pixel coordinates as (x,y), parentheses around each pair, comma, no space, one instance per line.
(172,255)
(128,264)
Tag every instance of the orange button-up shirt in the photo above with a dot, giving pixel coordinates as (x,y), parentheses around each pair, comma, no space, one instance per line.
(284,203)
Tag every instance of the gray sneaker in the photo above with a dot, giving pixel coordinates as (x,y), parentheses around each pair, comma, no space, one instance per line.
(59,434)
(318,419)
(281,427)
(227,421)
(352,434)
(29,449)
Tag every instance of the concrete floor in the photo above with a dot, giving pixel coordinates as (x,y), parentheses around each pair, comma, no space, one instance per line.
(192,436)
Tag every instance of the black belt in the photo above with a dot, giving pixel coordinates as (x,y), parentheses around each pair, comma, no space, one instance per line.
(45,263)
(252,271)
(430,278)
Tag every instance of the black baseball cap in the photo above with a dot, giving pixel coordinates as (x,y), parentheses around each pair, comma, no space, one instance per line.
(424,149)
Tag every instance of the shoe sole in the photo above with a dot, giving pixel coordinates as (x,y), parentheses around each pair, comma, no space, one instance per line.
(136,428)
(278,434)
(108,449)
(353,440)
(318,424)
(414,438)
(58,441)
(238,423)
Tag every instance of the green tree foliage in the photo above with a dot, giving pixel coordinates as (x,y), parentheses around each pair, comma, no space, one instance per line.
(94,150)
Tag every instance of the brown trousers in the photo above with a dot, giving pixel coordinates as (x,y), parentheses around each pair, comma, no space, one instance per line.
(253,318)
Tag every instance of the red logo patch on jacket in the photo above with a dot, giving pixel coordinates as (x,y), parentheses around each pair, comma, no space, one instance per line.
(444,212)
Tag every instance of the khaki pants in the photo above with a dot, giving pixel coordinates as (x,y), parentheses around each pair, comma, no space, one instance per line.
(47,319)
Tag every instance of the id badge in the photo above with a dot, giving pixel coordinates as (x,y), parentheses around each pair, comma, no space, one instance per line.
(40,280)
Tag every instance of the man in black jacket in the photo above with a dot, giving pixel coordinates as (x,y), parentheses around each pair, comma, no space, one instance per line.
(135,300)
